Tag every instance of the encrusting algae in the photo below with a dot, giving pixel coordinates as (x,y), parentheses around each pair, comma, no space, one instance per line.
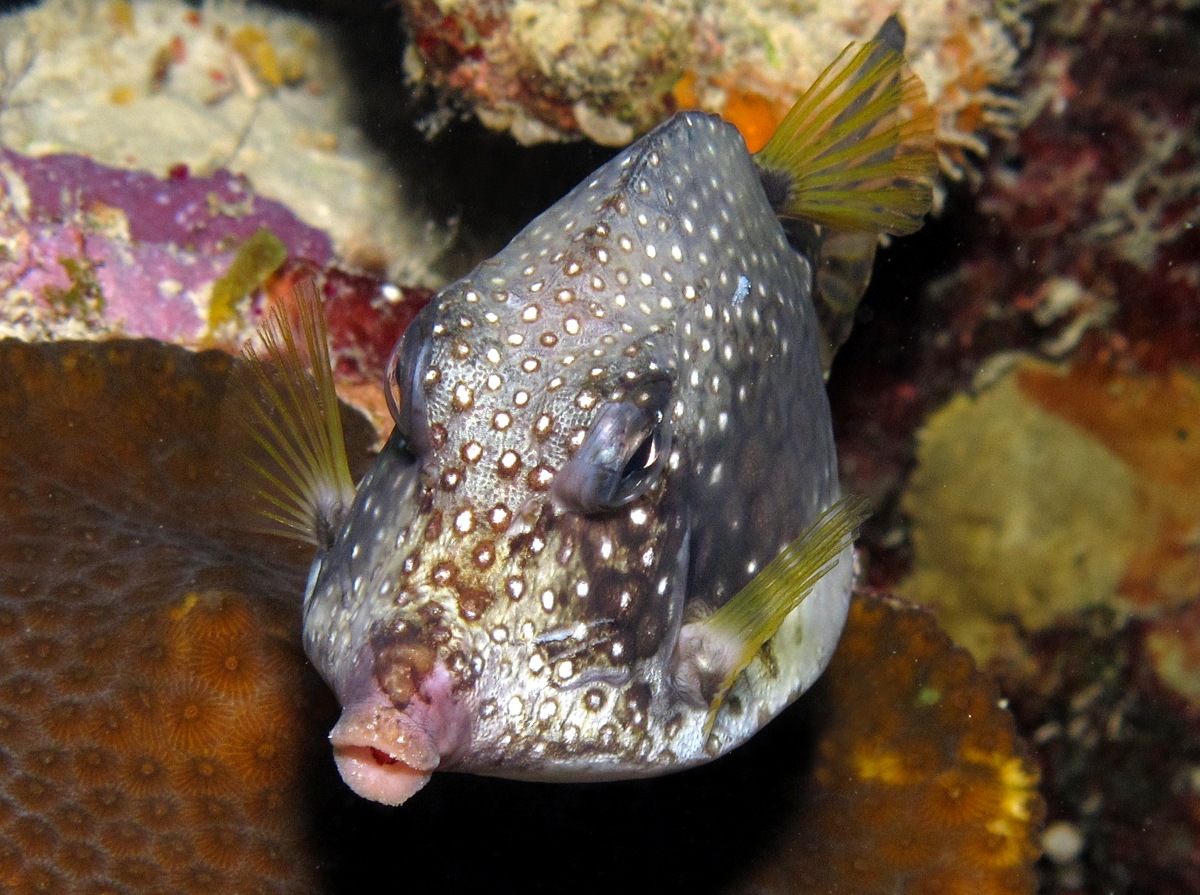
(1054,490)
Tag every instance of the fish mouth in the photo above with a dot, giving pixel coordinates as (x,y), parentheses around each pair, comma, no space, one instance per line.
(386,753)
(381,754)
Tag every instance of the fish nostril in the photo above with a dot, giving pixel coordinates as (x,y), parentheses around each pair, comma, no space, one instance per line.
(401,666)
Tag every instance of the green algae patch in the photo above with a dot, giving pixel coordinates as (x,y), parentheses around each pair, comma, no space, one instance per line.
(83,299)
(256,259)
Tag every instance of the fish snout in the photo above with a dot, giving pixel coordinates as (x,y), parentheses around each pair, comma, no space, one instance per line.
(408,723)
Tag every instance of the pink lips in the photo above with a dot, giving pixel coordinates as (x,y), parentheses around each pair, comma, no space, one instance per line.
(388,754)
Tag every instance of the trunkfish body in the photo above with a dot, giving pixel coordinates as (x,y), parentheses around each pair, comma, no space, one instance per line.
(606,538)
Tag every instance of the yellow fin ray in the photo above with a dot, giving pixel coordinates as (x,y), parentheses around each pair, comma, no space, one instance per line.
(294,419)
(755,613)
(856,152)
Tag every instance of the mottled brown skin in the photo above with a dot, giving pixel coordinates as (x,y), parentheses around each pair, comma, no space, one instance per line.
(157,719)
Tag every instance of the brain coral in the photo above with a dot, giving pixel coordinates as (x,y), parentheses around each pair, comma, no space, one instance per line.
(156,715)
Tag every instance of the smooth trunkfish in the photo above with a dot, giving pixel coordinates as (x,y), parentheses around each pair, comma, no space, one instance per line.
(605,538)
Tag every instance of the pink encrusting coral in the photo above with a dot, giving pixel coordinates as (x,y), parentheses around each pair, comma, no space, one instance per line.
(97,249)
(206,214)
(162,85)
(93,251)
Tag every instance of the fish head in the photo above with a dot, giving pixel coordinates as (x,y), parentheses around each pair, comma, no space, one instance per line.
(511,575)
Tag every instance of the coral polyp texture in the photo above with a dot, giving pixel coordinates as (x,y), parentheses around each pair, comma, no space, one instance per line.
(157,718)
(919,782)
(157,85)
(547,70)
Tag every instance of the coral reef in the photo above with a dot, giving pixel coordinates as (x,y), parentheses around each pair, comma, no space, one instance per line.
(1078,502)
(158,721)
(91,249)
(1118,755)
(1080,244)
(224,86)
(160,730)
(1050,519)
(548,70)
(1086,229)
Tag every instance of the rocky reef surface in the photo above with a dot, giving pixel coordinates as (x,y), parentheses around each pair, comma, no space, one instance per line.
(1020,400)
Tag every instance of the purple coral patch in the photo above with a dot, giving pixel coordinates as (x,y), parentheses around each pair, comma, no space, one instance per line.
(124,251)
(200,214)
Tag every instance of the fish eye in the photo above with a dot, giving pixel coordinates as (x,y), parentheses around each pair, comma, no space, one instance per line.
(405,386)
(623,453)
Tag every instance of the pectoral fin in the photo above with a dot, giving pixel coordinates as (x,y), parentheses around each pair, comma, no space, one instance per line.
(286,399)
(717,649)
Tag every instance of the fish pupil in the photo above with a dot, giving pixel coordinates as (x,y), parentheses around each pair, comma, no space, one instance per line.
(643,458)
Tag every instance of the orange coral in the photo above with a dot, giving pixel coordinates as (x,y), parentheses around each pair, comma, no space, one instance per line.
(919,782)
(132,614)
(154,705)
(753,114)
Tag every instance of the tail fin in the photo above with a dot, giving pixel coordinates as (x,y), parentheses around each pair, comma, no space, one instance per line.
(853,159)
(856,152)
